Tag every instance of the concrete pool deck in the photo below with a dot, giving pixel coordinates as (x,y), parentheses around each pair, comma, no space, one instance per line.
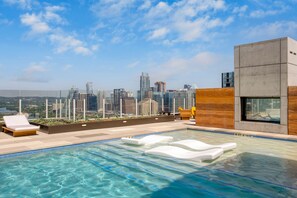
(9,144)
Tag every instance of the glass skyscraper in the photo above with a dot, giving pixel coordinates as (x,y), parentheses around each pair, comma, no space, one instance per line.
(144,85)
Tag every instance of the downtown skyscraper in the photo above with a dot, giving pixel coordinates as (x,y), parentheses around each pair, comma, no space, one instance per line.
(144,85)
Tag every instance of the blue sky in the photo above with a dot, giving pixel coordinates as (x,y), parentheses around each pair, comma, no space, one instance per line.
(53,45)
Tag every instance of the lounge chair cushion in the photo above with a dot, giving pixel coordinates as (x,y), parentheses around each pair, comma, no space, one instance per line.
(147,140)
(28,127)
(15,120)
(201,146)
(180,153)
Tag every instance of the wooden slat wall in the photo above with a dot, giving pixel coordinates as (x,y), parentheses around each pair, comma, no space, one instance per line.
(215,107)
(292,110)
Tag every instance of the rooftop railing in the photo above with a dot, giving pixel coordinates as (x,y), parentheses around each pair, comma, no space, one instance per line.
(104,104)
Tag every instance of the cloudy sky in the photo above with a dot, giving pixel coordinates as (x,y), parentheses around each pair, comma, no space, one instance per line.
(56,44)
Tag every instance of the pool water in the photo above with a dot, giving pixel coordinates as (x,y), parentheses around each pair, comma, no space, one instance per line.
(257,168)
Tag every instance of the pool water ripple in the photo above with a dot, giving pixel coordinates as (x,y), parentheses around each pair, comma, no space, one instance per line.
(257,168)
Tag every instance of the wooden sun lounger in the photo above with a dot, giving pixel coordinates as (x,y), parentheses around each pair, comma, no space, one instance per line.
(20,132)
(19,126)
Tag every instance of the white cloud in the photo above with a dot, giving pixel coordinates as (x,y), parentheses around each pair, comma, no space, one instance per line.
(23,4)
(35,23)
(262,13)
(50,14)
(160,10)
(146,5)
(240,10)
(185,21)
(47,23)
(34,73)
(65,43)
(176,66)
(158,33)
(111,8)
(272,30)
(116,40)
(35,68)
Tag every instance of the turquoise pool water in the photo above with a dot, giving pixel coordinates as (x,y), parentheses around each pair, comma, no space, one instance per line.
(257,168)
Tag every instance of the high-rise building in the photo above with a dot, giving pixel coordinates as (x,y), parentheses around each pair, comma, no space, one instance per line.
(91,102)
(187,86)
(118,94)
(144,85)
(100,96)
(158,97)
(80,102)
(73,94)
(144,107)
(228,79)
(89,88)
(129,105)
(160,86)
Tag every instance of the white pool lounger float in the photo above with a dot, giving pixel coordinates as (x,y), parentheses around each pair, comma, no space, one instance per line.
(201,146)
(180,153)
(147,140)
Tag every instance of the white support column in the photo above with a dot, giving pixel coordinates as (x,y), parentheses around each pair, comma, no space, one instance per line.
(20,106)
(66,108)
(136,108)
(69,109)
(73,109)
(173,106)
(184,103)
(121,108)
(46,108)
(56,109)
(150,107)
(103,107)
(162,108)
(60,109)
(84,109)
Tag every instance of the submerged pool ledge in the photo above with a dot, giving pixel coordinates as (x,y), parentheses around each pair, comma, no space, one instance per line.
(256,134)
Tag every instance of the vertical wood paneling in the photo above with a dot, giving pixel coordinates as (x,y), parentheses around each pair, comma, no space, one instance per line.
(292,110)
(215,107)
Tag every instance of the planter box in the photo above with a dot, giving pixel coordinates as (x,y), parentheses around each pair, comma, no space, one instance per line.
(102,124)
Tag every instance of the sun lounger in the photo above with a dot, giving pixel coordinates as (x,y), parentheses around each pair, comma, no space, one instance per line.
(201,146)
(147,140)
(180,153)
(18,125)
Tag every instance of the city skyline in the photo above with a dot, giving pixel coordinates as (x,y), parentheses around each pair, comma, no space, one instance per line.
(54,45)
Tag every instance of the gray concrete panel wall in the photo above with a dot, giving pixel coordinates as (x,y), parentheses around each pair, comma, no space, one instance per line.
(262,53)
(292,51)
(265,69)
(260,81)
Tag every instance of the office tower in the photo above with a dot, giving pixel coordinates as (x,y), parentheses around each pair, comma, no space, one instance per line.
(73,94)
(160,86)
(168,100)
(129,105)
(80,102)
(158,96)
(187,87)
(228,79)
(144,85)
(89,88)
(91,102)
(100,96)
(118,94)
(144,107)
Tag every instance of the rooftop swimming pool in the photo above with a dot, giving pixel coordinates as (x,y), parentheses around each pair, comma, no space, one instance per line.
(258,167)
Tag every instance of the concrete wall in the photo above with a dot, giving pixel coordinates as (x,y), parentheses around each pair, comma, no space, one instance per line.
(265,69)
